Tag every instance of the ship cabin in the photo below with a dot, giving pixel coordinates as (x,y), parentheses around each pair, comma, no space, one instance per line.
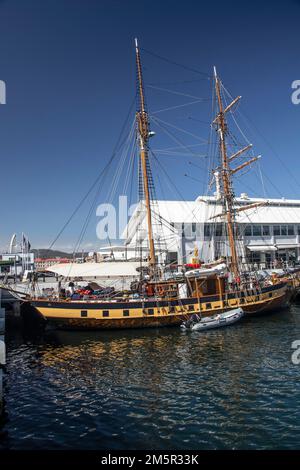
(163,289)
(210,286)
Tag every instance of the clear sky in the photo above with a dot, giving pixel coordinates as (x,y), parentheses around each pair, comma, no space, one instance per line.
(69,70)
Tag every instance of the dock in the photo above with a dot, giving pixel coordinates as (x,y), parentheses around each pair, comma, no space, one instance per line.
(2,355)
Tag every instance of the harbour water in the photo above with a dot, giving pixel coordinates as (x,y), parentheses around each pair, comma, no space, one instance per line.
(235,388)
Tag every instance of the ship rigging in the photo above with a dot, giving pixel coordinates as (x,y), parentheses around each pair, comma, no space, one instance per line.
(160,300)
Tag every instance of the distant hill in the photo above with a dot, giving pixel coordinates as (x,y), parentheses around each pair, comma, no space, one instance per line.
(46,253)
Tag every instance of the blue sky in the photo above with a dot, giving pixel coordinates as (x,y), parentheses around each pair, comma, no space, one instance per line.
(70,74)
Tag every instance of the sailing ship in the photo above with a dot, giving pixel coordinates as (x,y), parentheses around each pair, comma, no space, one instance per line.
(160,301)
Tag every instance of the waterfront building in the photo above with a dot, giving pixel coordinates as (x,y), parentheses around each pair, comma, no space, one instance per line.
(116,253)
(18,258)
(41,264)
(15,264)
(268,235)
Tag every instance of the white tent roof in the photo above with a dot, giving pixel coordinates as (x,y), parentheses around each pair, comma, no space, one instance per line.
(111,269)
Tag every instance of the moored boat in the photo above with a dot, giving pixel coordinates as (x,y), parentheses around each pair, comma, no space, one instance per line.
(160,301)
(155,311)
(217,321)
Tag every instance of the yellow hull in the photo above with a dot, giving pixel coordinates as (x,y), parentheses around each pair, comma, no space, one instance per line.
(138,314)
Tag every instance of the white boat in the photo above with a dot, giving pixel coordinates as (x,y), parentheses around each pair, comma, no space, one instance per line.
(207,271)
(217,321)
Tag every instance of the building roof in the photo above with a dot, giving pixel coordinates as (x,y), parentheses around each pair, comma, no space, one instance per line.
(203,210)
(205,207)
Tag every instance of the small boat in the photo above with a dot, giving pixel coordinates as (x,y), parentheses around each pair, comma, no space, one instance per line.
(217,321)
(204,271)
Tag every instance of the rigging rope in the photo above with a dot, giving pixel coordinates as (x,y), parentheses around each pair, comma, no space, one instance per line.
(204,74)
(197,98)
(118,145)
(177,106)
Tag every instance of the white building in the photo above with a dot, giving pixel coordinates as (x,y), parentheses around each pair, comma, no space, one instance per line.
(117,253)
(266,233)
(19,262)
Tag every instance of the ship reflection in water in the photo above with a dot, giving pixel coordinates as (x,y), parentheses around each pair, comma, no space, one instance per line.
(155,389)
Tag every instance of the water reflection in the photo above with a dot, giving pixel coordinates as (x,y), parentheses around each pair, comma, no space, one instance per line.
(163,389)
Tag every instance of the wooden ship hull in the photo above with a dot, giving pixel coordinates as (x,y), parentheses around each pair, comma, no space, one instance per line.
(98,315)
(294,285)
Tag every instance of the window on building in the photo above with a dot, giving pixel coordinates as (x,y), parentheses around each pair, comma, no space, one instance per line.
(248,231)
(266,230)
(254,257)
(298,229)
(183,229)
(187,230)
(172,257)
(276,230)
(207,231)
(218,230)
(291,230)
(256,230)
(283,230)
(194,227)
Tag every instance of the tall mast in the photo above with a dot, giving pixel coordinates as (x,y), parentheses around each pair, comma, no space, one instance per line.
(143,130)
(226,178)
